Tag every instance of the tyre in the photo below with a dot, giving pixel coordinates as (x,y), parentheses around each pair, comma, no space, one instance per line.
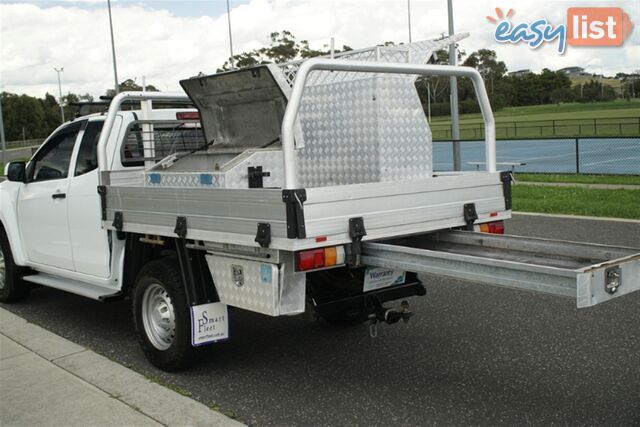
(161,315)
(334,284)
(12,287)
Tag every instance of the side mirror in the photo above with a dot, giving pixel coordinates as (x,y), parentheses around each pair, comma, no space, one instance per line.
(16,171)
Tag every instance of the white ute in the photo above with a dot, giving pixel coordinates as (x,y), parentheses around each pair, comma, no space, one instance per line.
(272,189)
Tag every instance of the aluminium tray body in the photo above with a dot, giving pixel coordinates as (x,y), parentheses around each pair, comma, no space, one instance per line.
(232,215)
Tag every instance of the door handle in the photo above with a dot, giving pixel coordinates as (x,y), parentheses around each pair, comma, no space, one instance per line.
(58,196)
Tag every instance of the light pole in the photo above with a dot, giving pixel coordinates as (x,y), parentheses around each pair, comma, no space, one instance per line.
(59,70)
(453,83)
(113,50)
(230,38)
(409,18)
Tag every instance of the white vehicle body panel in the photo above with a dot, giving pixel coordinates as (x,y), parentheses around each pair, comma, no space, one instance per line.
(43,223)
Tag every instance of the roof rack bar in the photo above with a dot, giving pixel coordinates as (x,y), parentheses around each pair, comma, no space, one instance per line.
(114,107)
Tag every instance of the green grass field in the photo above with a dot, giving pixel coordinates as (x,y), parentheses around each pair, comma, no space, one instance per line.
(570,111)
(577,201)
(580,179)
(616,118)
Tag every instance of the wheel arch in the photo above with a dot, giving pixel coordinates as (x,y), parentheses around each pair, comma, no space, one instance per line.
(9,221)
(195,273)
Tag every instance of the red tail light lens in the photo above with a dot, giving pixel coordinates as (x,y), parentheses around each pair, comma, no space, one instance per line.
(188,115)
(320,258)
(309,260)
(495,227)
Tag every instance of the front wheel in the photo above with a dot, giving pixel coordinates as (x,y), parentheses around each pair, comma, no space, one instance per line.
(12,287)
(161,315)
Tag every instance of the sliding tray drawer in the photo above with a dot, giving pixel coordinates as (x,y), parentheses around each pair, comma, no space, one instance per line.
(590,273)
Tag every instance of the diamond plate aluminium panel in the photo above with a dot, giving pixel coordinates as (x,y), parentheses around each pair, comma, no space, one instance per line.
(235,175)
(364,127)
(418,52)
(367,130)
(257,286)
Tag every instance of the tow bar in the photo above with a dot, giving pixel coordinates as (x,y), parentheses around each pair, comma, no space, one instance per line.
(388,315)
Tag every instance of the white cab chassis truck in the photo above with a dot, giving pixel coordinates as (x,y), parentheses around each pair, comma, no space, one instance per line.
(307,184)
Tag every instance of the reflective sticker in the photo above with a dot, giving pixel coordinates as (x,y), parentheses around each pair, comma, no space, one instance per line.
(155,178)
(206,179)
(266,273)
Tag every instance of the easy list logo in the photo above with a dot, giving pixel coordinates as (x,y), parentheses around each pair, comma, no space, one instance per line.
(586,26)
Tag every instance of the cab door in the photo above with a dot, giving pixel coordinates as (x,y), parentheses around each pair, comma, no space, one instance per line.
(42,201)
(89,241)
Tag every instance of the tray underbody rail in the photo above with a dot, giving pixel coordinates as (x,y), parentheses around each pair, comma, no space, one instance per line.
(588,272)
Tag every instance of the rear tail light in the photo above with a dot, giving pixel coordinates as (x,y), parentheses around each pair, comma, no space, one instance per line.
(496,227)
(314,259)
(188,115)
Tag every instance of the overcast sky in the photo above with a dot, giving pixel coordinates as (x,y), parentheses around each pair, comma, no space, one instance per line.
(170,40)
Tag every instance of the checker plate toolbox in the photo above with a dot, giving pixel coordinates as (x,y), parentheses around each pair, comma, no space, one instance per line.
(295,152)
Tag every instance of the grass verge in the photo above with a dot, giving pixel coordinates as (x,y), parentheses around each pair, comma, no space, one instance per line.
(577,201)
(580,179)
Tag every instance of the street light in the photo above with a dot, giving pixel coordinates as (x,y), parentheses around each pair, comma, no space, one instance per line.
(113,50)
(409,18)
(453,83)
(59,70)
(230,38)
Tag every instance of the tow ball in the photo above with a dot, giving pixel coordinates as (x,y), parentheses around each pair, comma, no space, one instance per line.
(388,316)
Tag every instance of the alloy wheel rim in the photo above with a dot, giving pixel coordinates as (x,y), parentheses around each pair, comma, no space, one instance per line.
(158,316)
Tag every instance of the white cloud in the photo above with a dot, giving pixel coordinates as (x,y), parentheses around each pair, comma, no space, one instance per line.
(166,48)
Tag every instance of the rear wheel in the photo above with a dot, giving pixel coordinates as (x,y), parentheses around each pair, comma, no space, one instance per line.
(12,287)
(161,315)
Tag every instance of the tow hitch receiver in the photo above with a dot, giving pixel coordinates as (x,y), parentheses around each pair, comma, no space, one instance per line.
(388,315)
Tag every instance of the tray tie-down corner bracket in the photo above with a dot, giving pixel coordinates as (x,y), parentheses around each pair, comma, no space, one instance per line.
(507,178)
(470,215)
(356,232)
(118,224)
(294,201)
(181,227)
(263,234)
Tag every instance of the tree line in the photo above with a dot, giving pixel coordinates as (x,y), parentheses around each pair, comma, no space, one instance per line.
(27,117)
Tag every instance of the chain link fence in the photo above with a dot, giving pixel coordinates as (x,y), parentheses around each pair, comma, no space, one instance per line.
(613,127)
(600,155)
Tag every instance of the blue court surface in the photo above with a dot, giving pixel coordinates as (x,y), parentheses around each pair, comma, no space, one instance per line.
(595,155)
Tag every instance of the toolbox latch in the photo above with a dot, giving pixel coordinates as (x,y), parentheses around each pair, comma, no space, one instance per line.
(256,176)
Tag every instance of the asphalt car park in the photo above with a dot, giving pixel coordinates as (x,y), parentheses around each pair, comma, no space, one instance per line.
(472,354)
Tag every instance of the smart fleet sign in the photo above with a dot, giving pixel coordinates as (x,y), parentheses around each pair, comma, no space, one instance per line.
(585,26)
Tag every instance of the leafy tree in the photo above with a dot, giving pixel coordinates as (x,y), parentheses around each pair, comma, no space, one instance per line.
(131,85)
(595,91)
(487,64)
(283,47)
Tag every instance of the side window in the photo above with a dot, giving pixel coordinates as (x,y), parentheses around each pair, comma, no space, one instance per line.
(88,152)
(132,151)
(52,161)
